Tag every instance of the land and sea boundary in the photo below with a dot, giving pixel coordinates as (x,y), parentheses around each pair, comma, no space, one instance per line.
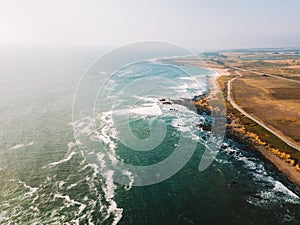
(263,108)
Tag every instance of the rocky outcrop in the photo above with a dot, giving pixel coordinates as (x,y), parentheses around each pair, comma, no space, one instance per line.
(202,105)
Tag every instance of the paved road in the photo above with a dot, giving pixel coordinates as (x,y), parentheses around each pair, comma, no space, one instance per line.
(230,99)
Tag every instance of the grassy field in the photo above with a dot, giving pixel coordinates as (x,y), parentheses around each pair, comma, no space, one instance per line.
(271,100)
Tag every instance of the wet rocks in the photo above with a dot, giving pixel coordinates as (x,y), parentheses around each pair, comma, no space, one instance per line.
(204,127)
(165,102)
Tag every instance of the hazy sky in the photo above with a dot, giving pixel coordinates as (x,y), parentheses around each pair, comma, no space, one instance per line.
(197,24)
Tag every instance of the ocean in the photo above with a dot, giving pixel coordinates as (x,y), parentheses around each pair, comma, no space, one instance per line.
(57,167)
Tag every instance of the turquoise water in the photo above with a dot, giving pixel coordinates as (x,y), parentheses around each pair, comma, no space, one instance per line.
(45,178)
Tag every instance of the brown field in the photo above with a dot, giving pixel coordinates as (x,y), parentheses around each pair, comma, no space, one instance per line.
(286,93)
(272,101)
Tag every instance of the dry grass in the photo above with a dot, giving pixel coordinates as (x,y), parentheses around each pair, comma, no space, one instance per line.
(272,101)
(286,93)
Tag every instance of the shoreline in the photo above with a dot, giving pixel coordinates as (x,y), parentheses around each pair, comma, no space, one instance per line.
(236,130)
